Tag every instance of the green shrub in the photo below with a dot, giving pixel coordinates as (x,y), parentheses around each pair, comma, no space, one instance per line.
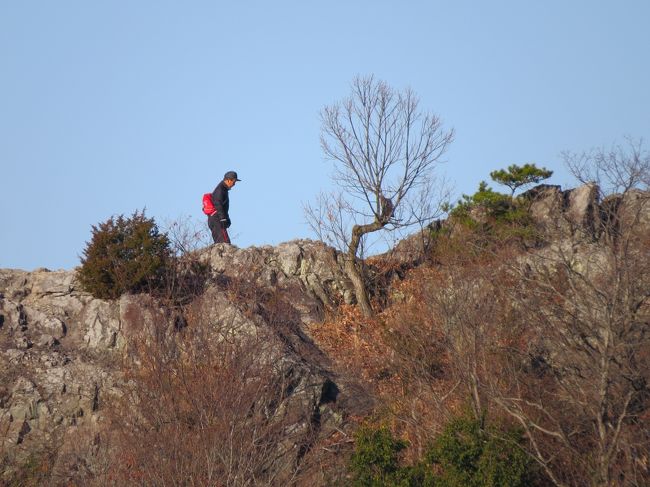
(489,203)
(463,455)
(124,255)
(468,456)
(495,216)
(375,461)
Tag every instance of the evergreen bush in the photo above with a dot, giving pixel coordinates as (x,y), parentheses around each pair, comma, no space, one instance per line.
(495,216)
(375,461)
(468,455)
(124,255)
(489,209)
(463,455)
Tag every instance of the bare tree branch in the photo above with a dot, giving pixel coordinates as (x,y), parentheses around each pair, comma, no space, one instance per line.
(384,152)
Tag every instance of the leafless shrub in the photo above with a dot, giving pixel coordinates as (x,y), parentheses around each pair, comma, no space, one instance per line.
(579,388)
(186,234)
(556,339)
(616,170)
(206,408)
(447,337)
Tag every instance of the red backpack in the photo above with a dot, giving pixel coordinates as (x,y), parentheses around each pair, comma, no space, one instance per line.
(208,206)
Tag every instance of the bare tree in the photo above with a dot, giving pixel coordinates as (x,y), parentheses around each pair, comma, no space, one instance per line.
(384,151)
(579,389)
(582,393)
(615,171)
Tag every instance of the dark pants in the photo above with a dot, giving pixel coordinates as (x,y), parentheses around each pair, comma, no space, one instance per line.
(219,232)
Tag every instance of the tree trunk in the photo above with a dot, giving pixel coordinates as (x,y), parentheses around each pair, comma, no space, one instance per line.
(352,269)
(359,287)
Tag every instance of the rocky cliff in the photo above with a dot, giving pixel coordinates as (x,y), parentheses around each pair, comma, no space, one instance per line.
(66,357)
(63,353)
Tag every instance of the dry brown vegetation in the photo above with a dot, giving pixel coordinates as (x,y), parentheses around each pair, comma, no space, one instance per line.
(205,410)
(550,337)
(429,350)
(553,340)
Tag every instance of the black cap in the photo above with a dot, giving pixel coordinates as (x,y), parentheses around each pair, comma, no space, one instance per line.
(231,175)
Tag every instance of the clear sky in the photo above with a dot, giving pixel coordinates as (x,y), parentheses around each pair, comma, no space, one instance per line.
(107,107)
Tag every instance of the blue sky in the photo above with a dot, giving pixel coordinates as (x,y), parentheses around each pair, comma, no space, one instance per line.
(107,107)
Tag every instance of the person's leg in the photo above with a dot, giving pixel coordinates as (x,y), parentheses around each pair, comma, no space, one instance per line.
(215,228)
(226,237)
(219,232)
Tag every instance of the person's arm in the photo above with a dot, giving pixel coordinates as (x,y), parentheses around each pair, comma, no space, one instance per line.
(217,200)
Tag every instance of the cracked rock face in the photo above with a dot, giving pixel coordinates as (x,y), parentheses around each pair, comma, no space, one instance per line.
(563,216)
(61,349)
(314,269)
(565,212)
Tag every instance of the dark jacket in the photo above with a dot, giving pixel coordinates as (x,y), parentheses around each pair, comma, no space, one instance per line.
(221,202)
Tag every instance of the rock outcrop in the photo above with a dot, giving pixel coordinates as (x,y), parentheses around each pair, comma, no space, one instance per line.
(62,352)
(568,216)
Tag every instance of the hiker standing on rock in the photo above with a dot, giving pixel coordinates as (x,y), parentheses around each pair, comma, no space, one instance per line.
(219,221)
